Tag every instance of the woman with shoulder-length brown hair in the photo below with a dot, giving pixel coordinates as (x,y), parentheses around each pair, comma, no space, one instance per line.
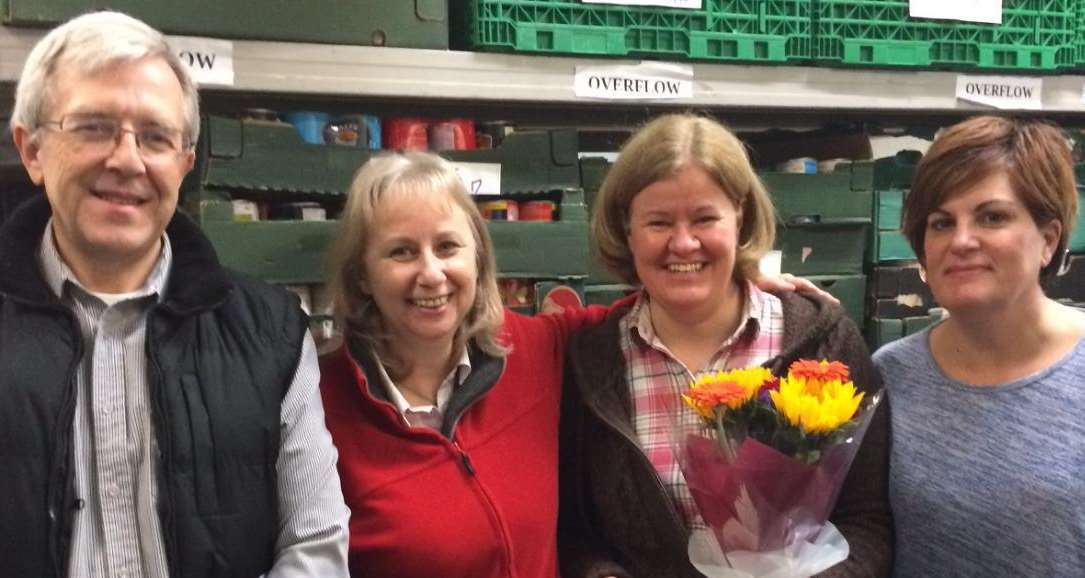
(683,216)
(443,405)
(988,442)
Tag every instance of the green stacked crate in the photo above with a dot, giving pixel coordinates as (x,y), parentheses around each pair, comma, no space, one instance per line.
(882,331)
(1079,38)
(889,244)
(899,302)
(850,290)
(269,161)
(822,231)
(1034,36)
(823,219)
(592,172)
(402,23)
(766,31)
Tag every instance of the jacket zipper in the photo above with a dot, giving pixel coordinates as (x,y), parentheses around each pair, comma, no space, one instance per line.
(59,512)
(465,459)
(165,448)
(488,504)
(676,519)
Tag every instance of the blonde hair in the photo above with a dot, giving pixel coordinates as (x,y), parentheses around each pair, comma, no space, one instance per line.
(657,152)
(393,178)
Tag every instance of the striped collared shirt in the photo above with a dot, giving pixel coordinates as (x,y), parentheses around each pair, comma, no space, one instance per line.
(657,378)
(116,529)
(426,415)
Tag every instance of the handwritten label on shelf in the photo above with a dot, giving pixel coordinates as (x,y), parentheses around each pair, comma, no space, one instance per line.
(480,178)
(989,11)
(1005,92)
(691,4)
(644,81)
(210,61)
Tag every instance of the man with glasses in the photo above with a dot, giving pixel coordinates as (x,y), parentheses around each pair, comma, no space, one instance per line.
(159,415)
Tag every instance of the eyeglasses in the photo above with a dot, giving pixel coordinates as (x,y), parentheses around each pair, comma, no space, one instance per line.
(153,142)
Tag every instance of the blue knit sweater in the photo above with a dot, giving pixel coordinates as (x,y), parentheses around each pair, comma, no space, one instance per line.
(985,481)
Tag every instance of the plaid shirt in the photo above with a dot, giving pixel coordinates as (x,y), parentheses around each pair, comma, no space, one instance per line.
(656,379)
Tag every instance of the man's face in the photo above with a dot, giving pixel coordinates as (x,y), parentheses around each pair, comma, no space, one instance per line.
(111,199)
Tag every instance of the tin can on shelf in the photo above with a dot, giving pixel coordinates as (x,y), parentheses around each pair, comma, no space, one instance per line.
(454,134)
(342,131)
(516,292)
(405,134)
(537,211)
(309,124)
(500,210)
(490,134)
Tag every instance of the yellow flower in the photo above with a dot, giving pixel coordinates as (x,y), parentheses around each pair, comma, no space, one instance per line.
(731,389)
(816,407)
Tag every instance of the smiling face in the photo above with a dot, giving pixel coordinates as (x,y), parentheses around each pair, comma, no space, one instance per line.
(982,248)
(109,202)
(421,267)
(683,235)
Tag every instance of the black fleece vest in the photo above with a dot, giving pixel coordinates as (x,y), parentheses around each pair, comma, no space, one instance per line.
(221,355)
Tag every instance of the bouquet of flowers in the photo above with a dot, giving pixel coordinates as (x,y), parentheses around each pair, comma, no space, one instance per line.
(767,466)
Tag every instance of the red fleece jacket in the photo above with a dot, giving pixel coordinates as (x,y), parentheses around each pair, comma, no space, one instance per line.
(481,504)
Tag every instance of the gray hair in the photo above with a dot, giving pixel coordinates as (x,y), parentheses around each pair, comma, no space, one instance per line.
(90,43)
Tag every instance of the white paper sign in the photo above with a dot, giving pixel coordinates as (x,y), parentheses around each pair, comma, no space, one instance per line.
(1006,92)
(480,178)
(645,81)
(210,61)
(1083,94)
(989,11)
(691,4)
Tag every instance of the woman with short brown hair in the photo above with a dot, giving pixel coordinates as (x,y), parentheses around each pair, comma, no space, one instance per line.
(987,455)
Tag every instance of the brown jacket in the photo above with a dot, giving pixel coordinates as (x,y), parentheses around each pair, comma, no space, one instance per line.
(617,519)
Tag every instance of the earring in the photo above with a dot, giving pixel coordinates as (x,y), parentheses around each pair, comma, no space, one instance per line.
(1064,263)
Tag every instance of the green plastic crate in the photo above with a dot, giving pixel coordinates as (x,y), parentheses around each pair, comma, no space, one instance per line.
(1079,38)
(1035,35)
(835,247)
(849,289)
(722,30)
(401,23)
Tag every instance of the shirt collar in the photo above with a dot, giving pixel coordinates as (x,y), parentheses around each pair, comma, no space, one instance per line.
(57,272)
(444,392)
(753,317)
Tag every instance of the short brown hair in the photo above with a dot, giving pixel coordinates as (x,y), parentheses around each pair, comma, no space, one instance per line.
(392,177)
(1034,155)
(658,151)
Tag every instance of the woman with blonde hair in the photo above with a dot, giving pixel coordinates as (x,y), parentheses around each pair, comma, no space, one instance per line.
(988,442)
(682,216)
(443,405)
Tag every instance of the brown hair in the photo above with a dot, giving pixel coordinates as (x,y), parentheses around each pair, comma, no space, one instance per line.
(390,178)
(657,152)
(1034,155)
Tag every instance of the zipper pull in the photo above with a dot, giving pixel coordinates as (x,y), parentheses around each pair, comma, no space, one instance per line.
(465,459)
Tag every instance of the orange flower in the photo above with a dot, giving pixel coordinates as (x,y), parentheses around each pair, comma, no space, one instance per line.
(725,388)
(823,371)
(707,397)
